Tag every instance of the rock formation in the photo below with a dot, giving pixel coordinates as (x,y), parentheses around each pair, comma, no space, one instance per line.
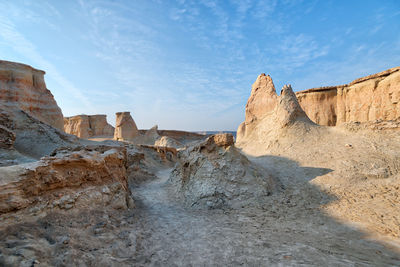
(99,126)
(374,97)
(23,87)
(28,136)
(97,176)
(262,99)
(283,112)
(125,127)
(86,126)
(165,141)
(215,174)
(78,125)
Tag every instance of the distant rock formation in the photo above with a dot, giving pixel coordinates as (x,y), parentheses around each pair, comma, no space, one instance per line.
(374,97)
(23,87)
(86,126)
(125,127)
(214,174)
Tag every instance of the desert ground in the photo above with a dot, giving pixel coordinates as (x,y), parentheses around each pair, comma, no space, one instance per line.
(299,186)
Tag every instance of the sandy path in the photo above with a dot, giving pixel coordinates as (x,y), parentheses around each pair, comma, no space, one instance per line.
(288,231)
(284,235)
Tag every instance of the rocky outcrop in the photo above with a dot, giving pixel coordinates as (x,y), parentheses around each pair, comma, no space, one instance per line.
(78,125)
(285,113)
(23,87)
(166,141)
(215,174)
(29,136)
(374,97)
(99,126)
(262,99)
(125,127)
(86,126)
(81,177)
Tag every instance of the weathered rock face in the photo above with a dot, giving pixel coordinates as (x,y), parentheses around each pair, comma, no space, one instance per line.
(215,174)
(32,138)
(24,87)
(78,125)
(262,99)
(375,97)
(125,127)
(100,126)
(165,141)
(86,126)
(68,178)
(285,112)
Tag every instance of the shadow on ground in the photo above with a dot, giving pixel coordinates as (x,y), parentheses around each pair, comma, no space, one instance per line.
(290,229)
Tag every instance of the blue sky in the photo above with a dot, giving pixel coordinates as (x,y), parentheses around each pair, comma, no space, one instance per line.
(189,65)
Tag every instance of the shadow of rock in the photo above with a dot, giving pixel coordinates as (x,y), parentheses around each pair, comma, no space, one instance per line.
(290,230)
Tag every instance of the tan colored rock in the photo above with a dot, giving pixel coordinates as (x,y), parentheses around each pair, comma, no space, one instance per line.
(78,125)
(374,97)
(283,111)
(100,126)
(288,110)
(262,99)
(67,179)
(86,126)
(165,141)
(125,127)
(23,87)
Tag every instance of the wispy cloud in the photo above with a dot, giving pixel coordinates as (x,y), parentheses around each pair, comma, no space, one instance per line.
(14,39)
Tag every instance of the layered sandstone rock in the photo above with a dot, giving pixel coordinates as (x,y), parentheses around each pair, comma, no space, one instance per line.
(284,111)
(100,126)
(374,97)
(125,127)
(78,125)
(86,126)
(215,174)
(23,87)
(82,177)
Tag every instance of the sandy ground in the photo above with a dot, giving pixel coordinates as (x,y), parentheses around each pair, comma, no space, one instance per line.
(289,231)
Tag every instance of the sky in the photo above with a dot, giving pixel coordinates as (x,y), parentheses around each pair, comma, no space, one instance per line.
(189,65)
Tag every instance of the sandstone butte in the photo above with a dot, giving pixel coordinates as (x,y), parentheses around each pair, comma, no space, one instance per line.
(374,97)
(86,126)
(370,98)
(23,87)
(125,127)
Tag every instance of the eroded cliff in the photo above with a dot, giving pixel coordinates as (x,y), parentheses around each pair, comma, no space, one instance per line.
(24,87)
(86,126)
(370,98)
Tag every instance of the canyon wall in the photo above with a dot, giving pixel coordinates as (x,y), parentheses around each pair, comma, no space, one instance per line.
(86,126)
(374,97)
(23,87)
